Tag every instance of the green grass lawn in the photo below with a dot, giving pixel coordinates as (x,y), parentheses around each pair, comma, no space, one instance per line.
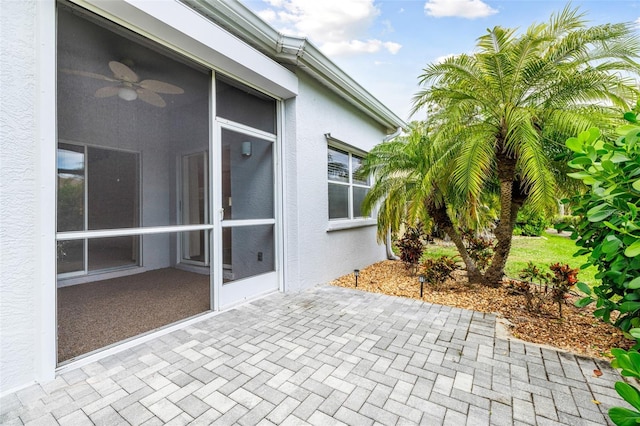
(550,248)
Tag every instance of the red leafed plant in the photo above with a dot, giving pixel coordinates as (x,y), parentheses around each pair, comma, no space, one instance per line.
(565,273)
(564,277)
(411,246)
(538,294)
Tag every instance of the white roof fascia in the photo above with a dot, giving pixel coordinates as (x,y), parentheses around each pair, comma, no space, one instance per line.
(185,30)
(298,51)
(232,16)
(317,64)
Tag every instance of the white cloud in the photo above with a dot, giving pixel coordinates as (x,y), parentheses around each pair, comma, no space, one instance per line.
(356,46)
(275,3)
(339,27)
(268,15)
(469,9)
(392,47)
(637,22)
(441,59)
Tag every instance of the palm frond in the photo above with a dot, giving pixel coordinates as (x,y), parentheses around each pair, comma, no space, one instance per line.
(473,166)
(565,21)
(516,99)
(537,180)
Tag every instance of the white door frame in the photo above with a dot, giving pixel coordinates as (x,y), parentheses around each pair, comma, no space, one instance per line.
(181,208)
(239,291)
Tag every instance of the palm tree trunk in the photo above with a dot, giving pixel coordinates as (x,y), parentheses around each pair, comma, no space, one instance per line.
(508,213)
(441,218)
(504,236)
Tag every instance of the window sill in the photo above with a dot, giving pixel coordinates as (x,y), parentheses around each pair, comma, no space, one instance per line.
(339,225)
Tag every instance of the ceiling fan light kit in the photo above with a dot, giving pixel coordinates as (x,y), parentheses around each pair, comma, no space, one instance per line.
(127,93)
(128,87)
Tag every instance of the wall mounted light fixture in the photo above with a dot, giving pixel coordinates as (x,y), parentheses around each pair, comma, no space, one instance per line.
(246,149)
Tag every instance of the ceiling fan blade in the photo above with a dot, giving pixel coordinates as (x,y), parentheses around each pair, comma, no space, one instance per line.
(87,74)
(151,97)
(161,87)
(123,72)
(105,92)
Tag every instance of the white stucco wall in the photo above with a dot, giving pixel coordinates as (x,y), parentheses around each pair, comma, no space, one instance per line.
(27,189)
(314,254)
(18,193)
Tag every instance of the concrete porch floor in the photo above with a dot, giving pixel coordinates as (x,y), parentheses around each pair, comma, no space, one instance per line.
(327,356)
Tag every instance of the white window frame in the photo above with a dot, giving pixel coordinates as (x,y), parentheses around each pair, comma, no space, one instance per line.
(77,235)
(350,221)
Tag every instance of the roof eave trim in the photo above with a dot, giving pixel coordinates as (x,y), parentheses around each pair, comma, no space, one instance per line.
(298,51)
(234,15)
(315,61)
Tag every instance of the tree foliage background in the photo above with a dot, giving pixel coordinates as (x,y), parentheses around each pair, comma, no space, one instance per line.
(496,124)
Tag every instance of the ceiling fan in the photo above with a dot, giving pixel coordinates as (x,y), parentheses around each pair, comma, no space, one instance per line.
(128,85)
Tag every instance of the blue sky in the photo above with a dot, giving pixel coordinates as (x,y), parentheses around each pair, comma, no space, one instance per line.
(384,44)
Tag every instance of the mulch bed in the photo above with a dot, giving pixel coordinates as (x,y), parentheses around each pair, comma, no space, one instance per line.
(578,331)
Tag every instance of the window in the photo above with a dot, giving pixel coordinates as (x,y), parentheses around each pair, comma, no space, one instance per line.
(98,188)
(346,188)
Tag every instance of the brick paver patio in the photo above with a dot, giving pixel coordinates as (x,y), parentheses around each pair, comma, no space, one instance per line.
(327,356)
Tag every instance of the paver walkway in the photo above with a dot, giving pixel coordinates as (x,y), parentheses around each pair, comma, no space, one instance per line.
(327,356)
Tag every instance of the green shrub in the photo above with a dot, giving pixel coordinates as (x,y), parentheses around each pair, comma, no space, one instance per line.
(629,362)
(438,270)
(564,223)
(610,232)
(480,248)
(530,223)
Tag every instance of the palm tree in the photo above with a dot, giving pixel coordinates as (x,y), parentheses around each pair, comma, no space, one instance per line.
(399,167)
(496,114)
(410,186)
